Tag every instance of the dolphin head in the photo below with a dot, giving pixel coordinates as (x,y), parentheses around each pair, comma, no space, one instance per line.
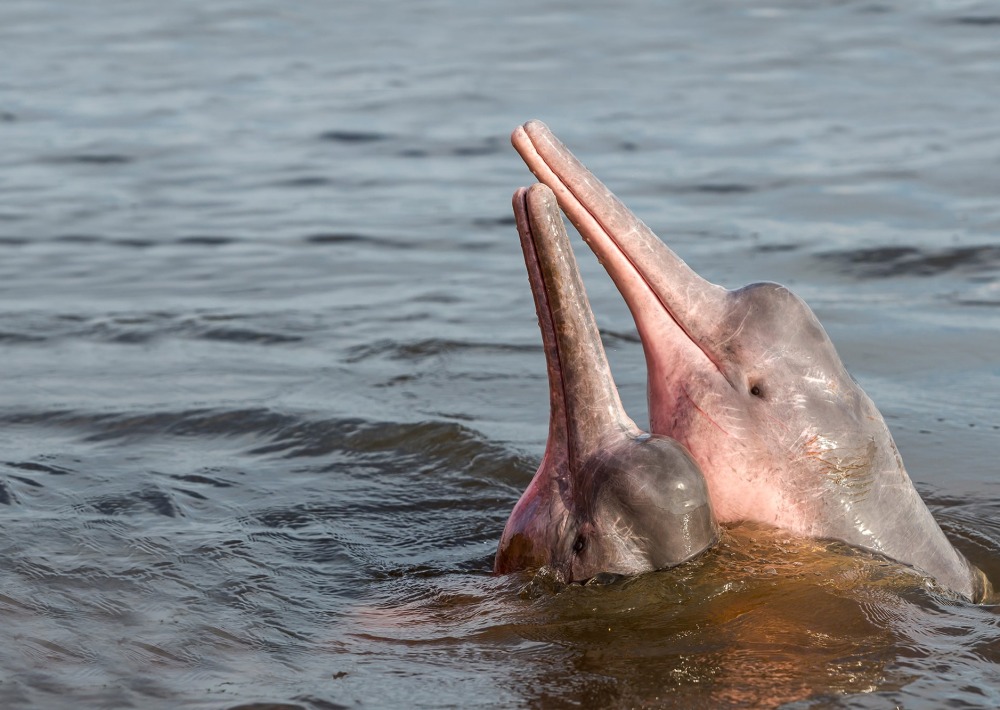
(607,497)
(751,383)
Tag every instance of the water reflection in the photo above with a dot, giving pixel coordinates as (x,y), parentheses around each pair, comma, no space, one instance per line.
(763,620)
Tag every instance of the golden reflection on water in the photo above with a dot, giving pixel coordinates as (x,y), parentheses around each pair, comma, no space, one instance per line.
(762,620)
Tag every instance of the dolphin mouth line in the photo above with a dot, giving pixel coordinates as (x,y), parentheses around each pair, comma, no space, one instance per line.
(539,162)
(537,272)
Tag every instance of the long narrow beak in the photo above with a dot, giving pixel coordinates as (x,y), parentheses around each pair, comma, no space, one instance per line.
(585,408)
(657,285)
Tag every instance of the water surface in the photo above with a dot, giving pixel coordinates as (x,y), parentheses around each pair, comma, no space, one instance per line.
(272,380)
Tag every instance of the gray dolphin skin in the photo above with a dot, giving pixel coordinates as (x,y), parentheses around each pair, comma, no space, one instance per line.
(607,497)
(750,383)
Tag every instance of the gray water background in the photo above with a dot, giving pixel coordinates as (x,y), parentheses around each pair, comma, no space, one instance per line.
(271,378)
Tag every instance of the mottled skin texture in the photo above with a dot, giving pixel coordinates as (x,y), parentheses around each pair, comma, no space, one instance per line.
(607,497)
(750,383)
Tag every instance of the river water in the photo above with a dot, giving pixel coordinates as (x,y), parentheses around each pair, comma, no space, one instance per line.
(272,380)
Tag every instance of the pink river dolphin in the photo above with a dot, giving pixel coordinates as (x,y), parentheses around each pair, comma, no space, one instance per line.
(749,382)
(608,498)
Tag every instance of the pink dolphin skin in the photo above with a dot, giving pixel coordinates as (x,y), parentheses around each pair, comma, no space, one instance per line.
(607,498)
(750,383)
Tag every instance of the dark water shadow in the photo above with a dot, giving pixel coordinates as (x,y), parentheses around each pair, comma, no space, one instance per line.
(905,261)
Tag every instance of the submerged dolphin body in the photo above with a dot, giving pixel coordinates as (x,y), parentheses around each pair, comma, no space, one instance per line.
(750,383)
(607,497)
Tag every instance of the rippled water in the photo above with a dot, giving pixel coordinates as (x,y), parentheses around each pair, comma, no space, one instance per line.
(272,381)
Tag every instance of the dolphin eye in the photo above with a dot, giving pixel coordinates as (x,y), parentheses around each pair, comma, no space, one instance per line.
(756,391)
(580,545)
